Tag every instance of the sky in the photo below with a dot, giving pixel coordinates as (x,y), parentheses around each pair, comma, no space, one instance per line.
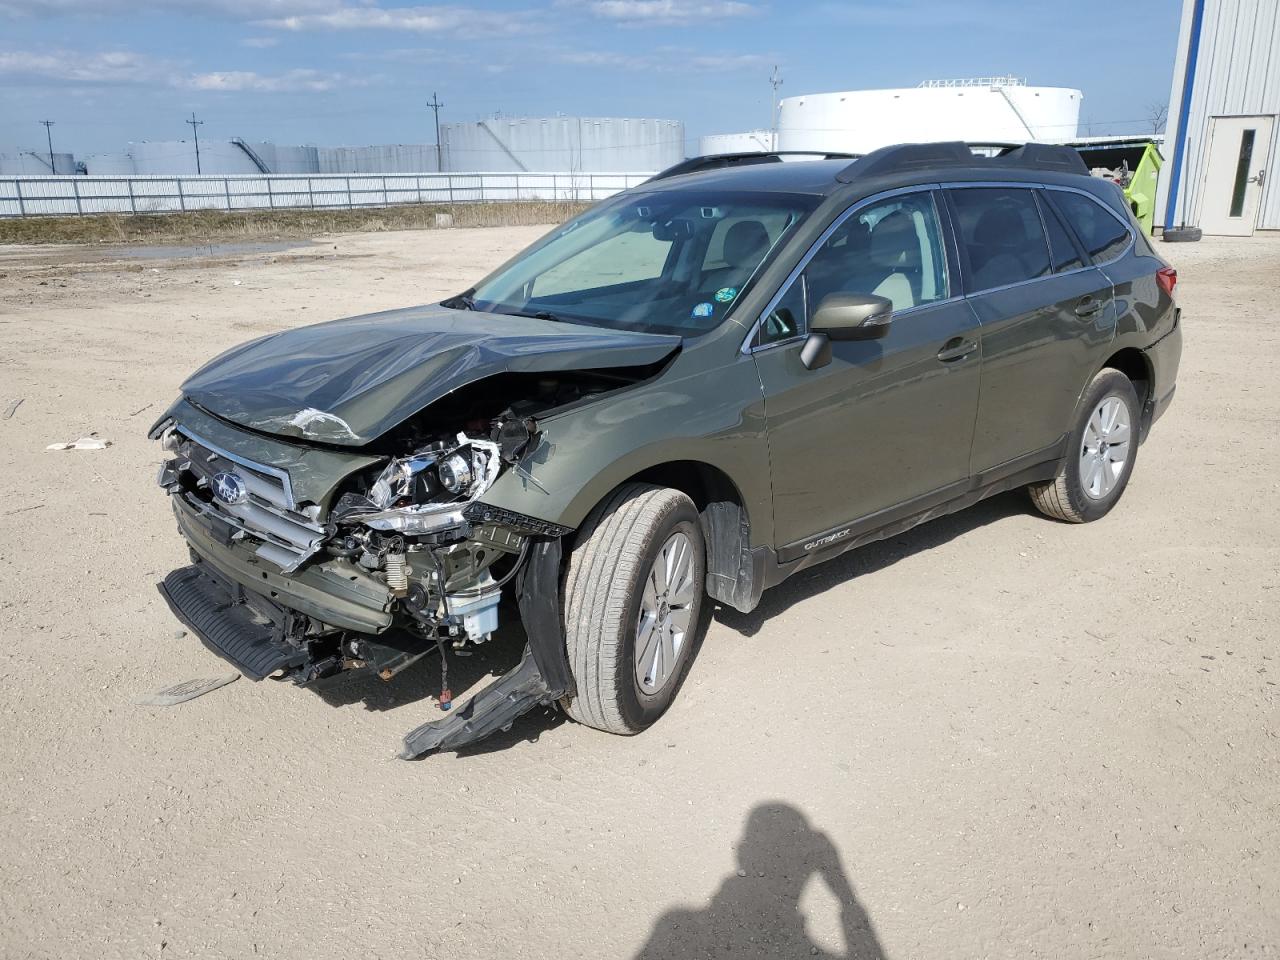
(354,72)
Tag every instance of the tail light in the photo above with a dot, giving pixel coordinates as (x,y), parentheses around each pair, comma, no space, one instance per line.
(1167,277)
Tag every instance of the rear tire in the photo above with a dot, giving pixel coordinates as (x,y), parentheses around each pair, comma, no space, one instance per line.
(618,596)
(1100,454)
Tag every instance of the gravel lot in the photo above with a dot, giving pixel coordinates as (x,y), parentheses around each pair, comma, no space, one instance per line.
(995,736)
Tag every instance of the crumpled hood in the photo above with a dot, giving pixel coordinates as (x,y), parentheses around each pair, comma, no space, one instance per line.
(349,381)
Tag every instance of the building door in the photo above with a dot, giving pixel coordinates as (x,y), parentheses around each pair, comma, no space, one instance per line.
(1234,175)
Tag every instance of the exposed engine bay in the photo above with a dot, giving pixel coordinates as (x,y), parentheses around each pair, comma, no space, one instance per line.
(403,561)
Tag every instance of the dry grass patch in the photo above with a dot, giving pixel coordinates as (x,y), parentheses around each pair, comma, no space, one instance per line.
(205,225)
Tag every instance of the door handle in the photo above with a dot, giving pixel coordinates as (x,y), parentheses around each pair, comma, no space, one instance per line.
(1261,178)
(1088,307)
(957,349)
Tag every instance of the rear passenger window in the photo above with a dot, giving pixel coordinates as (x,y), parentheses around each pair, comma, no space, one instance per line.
(1102,234)
(1001,232)
(1061,248)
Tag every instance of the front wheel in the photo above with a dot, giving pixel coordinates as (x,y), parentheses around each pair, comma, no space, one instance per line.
(1100,453)
(632,600)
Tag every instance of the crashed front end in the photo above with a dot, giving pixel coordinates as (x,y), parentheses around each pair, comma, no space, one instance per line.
(308,561)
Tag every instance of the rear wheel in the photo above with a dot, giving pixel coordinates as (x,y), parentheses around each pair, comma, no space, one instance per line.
(632,599)
(1100,453)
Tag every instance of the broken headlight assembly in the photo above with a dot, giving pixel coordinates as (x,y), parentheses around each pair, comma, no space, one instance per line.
(411,525)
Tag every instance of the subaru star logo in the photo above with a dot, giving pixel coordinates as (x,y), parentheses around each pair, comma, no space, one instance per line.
(230,489)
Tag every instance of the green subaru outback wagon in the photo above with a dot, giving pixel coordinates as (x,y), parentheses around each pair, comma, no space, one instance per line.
(745,366)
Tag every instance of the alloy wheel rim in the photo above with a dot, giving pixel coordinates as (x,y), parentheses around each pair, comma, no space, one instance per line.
(1105,448)
(666,614)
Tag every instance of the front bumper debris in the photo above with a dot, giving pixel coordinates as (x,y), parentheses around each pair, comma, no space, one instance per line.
(218,612)
(494,708)
(542,676)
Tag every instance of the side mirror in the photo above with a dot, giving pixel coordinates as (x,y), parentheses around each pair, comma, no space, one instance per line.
(853,316)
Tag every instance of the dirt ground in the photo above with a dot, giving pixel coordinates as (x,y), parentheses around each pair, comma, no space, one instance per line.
(995,736)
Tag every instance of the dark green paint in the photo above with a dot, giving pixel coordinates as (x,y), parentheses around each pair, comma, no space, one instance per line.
(885,423)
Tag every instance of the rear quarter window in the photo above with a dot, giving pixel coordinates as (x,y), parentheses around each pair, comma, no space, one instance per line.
(1103,236)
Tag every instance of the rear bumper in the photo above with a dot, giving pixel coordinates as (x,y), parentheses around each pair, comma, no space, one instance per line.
(1165,355)
(338,595)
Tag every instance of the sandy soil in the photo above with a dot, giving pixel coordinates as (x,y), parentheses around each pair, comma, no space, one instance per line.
(996,736)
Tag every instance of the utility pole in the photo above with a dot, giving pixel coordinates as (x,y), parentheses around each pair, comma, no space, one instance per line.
(775,81)
(195,131)
(435,106)
(48,132)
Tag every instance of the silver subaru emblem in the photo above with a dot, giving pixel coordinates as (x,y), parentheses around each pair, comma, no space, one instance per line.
(230,488)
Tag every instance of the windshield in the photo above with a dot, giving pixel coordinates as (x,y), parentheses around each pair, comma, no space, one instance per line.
(660,262)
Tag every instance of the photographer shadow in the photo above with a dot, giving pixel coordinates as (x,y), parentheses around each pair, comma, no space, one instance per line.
(756,912)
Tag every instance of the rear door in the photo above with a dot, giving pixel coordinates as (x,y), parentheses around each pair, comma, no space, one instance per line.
(1045,315)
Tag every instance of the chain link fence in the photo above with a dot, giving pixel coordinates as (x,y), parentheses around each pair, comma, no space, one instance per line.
(71,196)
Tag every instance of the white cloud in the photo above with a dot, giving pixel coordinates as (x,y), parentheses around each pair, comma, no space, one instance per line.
(292,81)
(234,9)
(70,66)
(667,60)
(435,19)
(123,68)
(663,12)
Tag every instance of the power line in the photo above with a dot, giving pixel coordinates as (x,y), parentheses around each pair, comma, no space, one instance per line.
(195,131)
(435,106)
(48,132)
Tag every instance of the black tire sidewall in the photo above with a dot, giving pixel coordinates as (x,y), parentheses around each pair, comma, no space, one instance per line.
(641,710)
(1111,384)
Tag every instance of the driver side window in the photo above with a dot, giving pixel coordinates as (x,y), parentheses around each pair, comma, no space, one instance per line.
(890,249)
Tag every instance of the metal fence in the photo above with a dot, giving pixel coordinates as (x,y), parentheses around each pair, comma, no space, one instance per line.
(70,196)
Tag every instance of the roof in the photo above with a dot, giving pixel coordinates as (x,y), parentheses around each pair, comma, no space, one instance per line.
(790,176)
(907,163)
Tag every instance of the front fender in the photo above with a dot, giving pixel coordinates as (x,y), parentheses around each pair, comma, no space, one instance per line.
(713,416)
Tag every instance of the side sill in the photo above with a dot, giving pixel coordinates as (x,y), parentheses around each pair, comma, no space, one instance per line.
(1034,468)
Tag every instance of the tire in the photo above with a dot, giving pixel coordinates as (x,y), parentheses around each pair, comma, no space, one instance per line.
(606,606)
(1182,235)
(1089,483)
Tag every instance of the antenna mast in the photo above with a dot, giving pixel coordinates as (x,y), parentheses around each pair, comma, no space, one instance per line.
(775,81)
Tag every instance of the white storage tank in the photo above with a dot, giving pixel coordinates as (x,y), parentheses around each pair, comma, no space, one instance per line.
(109,165)
(219,158)
(569,144)
(35,163)
(753,141)
(388,158)
(999,109)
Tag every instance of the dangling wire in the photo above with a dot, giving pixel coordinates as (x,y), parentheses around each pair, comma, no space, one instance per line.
(446,695)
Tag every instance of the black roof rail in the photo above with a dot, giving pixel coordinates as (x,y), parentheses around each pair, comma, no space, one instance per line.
(909,156)
(718,161)
(1044,156)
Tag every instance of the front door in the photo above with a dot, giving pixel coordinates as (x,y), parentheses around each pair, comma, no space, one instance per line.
(1234,175)
(887,422)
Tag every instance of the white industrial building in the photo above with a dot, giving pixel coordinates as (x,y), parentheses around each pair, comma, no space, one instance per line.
(984,109)
(573,144)
(1221,145)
